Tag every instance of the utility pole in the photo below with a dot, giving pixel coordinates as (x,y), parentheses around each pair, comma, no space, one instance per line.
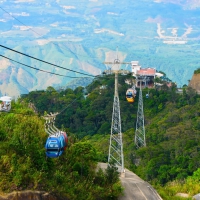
(140,140)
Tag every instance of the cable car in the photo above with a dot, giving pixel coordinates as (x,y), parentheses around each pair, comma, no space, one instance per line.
(56,144)
(130,95)
(5,103)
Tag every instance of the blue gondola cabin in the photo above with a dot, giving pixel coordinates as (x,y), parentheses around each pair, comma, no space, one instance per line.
(56,144)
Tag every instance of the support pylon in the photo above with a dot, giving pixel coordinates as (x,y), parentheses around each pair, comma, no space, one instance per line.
(116,144)
(140,140)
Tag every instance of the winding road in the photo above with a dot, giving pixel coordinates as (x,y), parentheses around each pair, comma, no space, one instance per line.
(137,189)
(134,187)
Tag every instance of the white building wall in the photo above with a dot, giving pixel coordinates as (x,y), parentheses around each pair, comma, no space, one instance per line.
(135,67)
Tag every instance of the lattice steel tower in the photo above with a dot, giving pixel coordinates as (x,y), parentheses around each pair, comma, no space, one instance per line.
(116,144)
(140,140)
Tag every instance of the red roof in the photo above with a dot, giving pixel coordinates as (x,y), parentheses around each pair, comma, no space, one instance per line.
(148,71)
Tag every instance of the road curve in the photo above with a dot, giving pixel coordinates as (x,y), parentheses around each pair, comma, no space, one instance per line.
(134,187)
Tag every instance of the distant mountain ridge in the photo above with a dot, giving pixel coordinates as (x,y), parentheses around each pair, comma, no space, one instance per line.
(163,34)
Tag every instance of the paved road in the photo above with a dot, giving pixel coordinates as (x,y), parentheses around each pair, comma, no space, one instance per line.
(135,188)
(197,197)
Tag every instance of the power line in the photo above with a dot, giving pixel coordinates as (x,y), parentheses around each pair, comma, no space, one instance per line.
(97,76)
(44,61)
(38,68)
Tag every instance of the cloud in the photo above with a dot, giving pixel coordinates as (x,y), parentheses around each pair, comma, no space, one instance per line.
(4,64)
(2,20)
(111,13)
(187,4)
(59,39)
(54,25)
(23,1)
(26,31)
(179,2)
(23,28)
(71,14)
(24,14)
(107,31)
(156,20)
(42,42)
(69,7)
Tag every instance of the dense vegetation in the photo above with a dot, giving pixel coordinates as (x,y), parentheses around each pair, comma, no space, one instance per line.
(197,71)
(23,164)
(171,122)
(85,116)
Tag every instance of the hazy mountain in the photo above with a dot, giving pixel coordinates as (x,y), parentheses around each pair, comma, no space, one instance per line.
(81,35)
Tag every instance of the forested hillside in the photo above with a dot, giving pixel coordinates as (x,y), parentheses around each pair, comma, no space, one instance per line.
(24,165)
(86,115)
(171,122)
(171,160)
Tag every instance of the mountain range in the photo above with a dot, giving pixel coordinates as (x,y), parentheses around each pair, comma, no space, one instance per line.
(81,35)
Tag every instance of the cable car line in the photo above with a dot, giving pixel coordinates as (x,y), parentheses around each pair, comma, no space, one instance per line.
(67,106)
(97,76)
(57,140)
(44,61)
(39,69)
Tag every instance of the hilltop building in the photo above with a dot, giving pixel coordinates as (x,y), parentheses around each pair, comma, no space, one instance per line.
(145,76)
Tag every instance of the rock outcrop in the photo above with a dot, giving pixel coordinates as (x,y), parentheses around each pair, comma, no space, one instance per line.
(29,195)
(195,82)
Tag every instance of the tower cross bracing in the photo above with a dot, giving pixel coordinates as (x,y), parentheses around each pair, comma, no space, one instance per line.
(116,144)
(140,139)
